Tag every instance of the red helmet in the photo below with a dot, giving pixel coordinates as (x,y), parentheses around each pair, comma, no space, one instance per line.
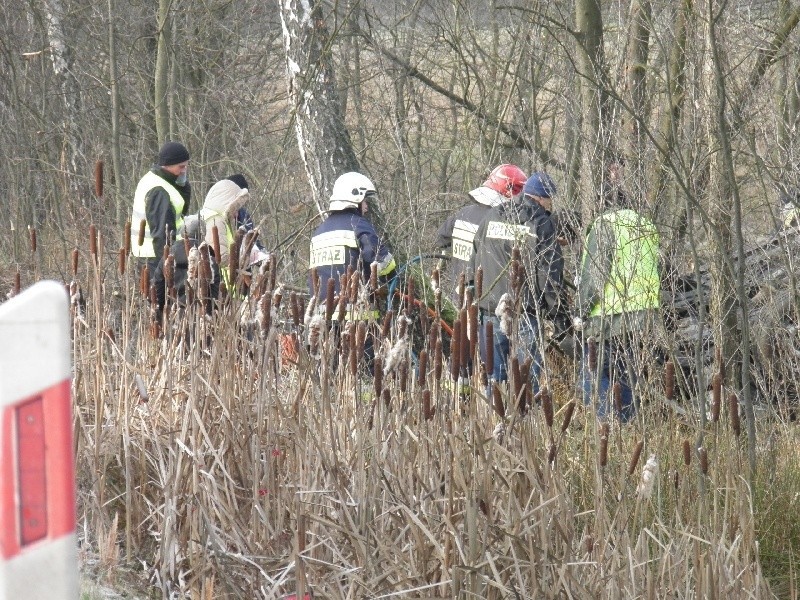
(507,180)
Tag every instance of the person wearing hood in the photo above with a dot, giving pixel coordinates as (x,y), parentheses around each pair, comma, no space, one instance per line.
(457,233)
(220,209)
(516,308)
(160,202)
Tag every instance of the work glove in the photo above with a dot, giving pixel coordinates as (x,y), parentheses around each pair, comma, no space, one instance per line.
(577,323)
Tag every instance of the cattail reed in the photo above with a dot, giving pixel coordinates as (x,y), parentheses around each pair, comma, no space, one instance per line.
(354,355)
(720,363)
(589,544)
(669,380)
(617,395)
(437,360)
(489,331)
(427,410)
(74,262)
(377,380)
(93,241)
(265,313)
(478,283)
(301,305)
(142,229)
(733,406)
(637,453)
(547,406)
(17,283)
(603,459)
(460,289)
(464,345)
(233,257)
(273,269)
(516,378)
(122,260)
(422,368)
(649,475)
(361,336)
(98,178)
(32,237)
(386,326)
(277,298)
(402,325)
(455,350)
(592,355)
(703,456)
(345,343)
(518,273)
(126,242)
(433,334)
(402,374)
(676,479)
(294,308)
(354,284)
(568,413)
(330,299)
(410,291)
(169,273)
(716,397)
(373,277)
(144,282)
(497,401)
(387,398)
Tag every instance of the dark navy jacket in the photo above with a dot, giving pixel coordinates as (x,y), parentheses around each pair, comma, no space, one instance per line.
(346,238)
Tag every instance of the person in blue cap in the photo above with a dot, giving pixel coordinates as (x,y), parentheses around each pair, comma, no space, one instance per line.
(518,308)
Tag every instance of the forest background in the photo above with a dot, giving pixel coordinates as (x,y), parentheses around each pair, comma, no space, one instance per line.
(702,99)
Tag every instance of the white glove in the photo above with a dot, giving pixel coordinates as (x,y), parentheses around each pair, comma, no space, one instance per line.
(577,323)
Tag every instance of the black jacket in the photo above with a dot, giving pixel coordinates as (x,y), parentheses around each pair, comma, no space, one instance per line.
(526,224)
(161,215)
(456,237)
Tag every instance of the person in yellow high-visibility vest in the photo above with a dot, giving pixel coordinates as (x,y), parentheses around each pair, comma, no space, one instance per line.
(619,300)
(160,202)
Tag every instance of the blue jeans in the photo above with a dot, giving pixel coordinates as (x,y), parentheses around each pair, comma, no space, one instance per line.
(527,346)
(615,362)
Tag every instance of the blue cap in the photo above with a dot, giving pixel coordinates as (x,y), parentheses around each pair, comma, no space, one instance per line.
(540,184)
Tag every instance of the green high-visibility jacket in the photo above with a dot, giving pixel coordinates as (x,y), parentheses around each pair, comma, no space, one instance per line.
(147,183)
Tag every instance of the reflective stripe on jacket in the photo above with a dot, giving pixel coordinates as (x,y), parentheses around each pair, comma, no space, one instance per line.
(632,283)
(149,182)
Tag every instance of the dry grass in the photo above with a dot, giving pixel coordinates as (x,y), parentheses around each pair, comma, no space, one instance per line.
(220,471)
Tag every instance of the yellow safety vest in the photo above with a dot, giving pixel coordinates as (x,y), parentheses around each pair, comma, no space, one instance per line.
(633,283)
(148,182)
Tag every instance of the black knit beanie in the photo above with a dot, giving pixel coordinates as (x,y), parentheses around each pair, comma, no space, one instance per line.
(239,180)
(172,153)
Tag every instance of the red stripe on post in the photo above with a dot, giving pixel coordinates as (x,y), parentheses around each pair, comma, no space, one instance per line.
(31,466)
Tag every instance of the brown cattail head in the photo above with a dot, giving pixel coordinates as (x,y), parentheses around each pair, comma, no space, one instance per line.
(377,380)
(277,298)
(215,241)
(617,395)
(354,284)
(489,330)
(341,307)
(427,410)
(460,288)
(592,346)
(386,397)
(74,262)
(568,413)
(455,350)
(361,336)
(93,241)
(122,260)
(402,375)
(433,334)
(687,453)
(17,283)
(478,283)
(273,269)
(98,178)
(435,278)
(144,282)
(234,255)
(669,380)
(373,277)
(32,236)
(142,229)
(702,454)
(126,241)
(169,272)
(386,326)
(676,479)
(547,406)
(422,368)
(265,313)
(437,359)
(637,453)
(733,406)
(330,299)
(497,401)
(716,397)
(603,458)
(402,325)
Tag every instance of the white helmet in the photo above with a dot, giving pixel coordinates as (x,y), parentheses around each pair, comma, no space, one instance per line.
(349,190)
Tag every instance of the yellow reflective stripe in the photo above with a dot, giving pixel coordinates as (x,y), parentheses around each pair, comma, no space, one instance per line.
(500,230)
(388,268)
(464,230)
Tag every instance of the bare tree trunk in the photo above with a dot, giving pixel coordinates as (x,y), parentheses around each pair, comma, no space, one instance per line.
(61,56)
(729,300)
(161,76)
(116,159)
(638,51)
(323,138)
